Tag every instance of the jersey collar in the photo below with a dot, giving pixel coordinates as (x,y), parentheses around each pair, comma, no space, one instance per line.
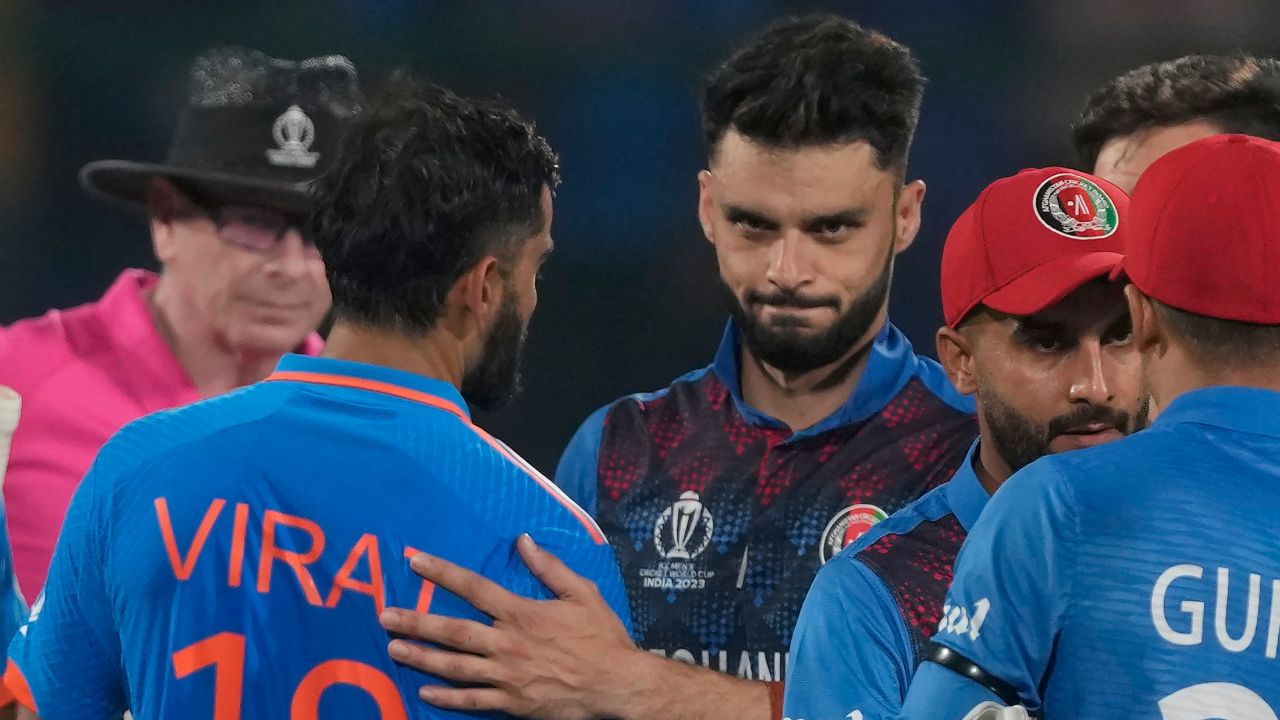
(965,493)
(1244,409)
(890,364)
(369,377)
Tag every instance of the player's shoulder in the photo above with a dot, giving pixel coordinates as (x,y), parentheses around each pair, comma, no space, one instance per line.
(161,433)
(517,483)
(691,384)
(929,374)
(928,508)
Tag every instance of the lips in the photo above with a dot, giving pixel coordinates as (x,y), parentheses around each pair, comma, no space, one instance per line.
(1085,436)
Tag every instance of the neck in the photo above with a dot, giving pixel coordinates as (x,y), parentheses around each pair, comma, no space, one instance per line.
(429,356)
(213,366)
(990,468)
(802,400)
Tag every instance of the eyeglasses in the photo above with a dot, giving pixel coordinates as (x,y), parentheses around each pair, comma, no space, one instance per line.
(254,228)
(259,230)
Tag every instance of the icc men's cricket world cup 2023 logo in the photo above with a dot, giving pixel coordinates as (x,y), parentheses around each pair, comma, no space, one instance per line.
(684,529)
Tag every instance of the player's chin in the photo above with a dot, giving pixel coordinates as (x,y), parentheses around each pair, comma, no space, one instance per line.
(1079,440)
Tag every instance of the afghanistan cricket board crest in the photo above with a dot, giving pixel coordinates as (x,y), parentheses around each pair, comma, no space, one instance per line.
(846,527)
(1075,207)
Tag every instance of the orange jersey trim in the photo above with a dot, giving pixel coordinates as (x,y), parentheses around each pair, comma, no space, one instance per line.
(16,688)
(441,404)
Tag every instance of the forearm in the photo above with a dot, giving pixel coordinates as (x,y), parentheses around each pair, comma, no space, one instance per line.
(654,688)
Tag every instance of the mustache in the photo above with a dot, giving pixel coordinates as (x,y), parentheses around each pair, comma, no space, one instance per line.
(792,299)
(1090,415)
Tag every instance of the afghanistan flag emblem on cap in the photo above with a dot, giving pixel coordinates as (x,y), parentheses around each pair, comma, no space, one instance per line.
(1075,207)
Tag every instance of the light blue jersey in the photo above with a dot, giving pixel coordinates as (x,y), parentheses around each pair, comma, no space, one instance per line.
(1137,580)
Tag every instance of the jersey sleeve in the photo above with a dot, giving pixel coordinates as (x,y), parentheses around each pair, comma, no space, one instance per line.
(1011,591)
(577,472)
(66,662)
(851,656)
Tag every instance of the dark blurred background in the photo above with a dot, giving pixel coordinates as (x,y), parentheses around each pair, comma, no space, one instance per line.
(629,300)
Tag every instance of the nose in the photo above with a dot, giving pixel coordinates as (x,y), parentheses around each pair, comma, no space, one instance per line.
(785,262)
(292,256)
(1090,383)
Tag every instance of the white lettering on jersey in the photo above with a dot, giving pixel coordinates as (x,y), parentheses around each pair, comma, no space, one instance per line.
(1220,612)
(1216,700)
(1194,611)
(957,620)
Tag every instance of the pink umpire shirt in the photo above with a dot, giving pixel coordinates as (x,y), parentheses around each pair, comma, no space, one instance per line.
(82,374)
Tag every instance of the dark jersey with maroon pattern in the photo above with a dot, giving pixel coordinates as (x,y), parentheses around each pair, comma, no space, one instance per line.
(917,567)
(874,608)
(720,517)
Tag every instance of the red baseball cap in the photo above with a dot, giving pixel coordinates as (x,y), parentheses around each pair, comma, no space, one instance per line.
(1031,239)
(1205,229)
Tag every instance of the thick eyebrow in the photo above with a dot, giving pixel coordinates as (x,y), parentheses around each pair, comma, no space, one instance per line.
(736,214)
(1029,325)
(849,218)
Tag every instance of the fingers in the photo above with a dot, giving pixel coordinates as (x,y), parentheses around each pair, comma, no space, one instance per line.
(565,583)
(455,666)
(466,635)
(486,596)
(475,699)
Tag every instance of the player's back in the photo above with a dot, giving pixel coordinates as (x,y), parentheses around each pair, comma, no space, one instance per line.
(249,542)
(1175,607)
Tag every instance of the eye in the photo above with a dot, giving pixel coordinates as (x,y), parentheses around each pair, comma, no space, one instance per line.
(751,224)
(1119,334)
(831,228)
(1044,343)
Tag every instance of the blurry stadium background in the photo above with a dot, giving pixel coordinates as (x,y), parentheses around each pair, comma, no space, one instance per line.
(630,299)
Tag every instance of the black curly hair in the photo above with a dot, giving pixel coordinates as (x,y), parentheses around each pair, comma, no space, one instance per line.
(1237,93)
(817,80)
(426,184)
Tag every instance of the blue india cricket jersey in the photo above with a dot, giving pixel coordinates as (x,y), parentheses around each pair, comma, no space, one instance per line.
(872,610)
(12,610)
(229,559)
(1136,580)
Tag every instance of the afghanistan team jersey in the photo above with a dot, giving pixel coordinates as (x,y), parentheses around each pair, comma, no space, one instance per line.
(720,516)
(1137,580)
(871,611)
(229,559)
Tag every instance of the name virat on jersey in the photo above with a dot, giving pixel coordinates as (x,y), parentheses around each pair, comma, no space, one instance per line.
(277,529)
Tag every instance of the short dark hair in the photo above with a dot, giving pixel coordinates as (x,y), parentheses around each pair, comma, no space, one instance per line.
(1214,342)
(425,185)
(817,80)
(1238,93)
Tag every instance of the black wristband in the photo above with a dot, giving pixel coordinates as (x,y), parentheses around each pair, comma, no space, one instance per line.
(955,662)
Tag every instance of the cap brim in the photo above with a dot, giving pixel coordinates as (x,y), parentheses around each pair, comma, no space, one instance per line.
(1046,284)
(125,183)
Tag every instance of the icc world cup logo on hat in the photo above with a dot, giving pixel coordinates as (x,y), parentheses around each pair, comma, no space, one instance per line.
(1074,207)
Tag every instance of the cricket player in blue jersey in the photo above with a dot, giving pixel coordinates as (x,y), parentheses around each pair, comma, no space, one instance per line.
(230,559)
(1040,334)
(1142,579)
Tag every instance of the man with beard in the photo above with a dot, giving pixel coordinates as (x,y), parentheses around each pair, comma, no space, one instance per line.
(261,533)
(1039,333)
(1133,580)
(1147,112)
(724,493)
